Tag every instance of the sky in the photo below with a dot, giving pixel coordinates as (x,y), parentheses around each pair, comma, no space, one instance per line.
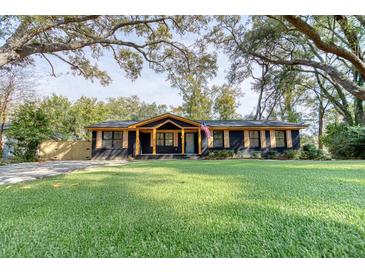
(149,87)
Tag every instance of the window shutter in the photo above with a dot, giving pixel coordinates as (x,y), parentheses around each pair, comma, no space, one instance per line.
(226,138)
(98,139)
(272,139)
(289,141)
(210,139)
(246,137)
(176,139)
(125,139)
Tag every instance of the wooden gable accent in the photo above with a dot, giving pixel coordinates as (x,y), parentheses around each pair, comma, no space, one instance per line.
(166,122)
(161,117)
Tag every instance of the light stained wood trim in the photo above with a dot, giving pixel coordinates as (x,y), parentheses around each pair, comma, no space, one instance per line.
(199,142)
(256,128)
(99,139)
(272,139)
(106,129)
(246,138)
(182,141)
(167,130)
(125,139)
(154,141)
(210,128)
(137,142)
(226,138)
(151,128)
(176,138)
(263,138)
(211,139)
(162,117)
(289,141)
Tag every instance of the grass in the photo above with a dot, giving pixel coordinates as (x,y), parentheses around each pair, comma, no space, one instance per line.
(229,208)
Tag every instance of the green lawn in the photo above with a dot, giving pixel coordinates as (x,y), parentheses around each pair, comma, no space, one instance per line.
(247,208)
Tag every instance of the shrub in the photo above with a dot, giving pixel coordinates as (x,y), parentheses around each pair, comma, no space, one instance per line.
(344,141)
(219,154)
(242,154)
(310,152)
(272,154)
(290,155)
(257,155)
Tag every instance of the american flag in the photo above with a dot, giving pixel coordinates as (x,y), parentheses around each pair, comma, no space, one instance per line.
(204,128)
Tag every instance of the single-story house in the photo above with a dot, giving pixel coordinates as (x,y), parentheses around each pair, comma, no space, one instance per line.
(169,135)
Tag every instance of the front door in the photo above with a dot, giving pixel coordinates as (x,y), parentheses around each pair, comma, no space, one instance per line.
(189,146)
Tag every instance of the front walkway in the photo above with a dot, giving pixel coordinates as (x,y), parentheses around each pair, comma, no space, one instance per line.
(15,173)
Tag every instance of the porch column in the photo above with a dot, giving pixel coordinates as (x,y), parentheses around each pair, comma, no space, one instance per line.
(154,141)
(199,142)
(182,141)
(137,141)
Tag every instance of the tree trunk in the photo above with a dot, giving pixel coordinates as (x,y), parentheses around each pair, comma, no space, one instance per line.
(358,102)
(320,125)
(359,111)
(2,125)
(264,71)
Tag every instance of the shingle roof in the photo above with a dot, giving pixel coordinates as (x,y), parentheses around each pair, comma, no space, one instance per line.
(112,124)
(212,123)
(248,123)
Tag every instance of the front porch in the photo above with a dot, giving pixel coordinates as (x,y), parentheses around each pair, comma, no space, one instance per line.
(168,138)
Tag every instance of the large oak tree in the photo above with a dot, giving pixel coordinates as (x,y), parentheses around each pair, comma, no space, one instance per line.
(330,47)
(80,41)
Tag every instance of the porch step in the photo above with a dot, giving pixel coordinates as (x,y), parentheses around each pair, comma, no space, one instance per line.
(166,157)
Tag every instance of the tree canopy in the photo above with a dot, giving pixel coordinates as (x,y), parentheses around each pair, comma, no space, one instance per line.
(80,41)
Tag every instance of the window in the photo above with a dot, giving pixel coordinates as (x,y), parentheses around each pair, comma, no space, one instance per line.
(254,138)
(218,138)
(165,139)
(112,139)
(160,139)
(169,139)
(280,138)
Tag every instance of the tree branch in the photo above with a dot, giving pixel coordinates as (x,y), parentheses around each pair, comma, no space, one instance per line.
(338,77)
(313,35)
(50,64)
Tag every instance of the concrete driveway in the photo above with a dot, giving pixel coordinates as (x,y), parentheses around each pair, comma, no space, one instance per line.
(15,173)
